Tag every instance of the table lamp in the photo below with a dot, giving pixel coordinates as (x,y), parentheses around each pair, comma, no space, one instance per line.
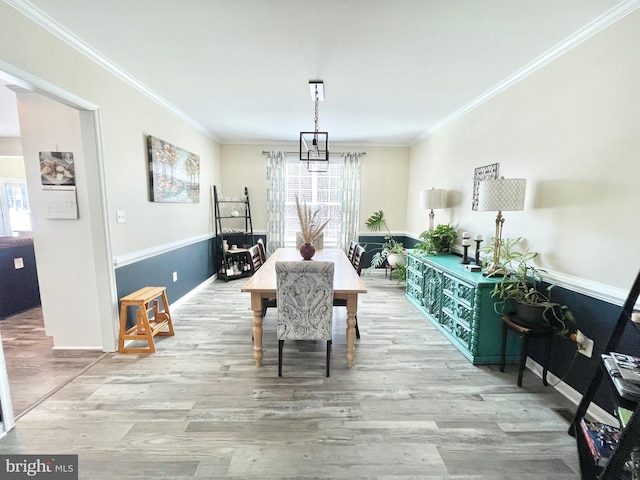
(435,198)
(500,194)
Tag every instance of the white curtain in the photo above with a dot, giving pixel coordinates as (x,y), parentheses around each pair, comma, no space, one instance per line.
(350,201)
(275,200)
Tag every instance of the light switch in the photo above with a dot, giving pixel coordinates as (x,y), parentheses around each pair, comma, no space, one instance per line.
(18,263)
(120,216)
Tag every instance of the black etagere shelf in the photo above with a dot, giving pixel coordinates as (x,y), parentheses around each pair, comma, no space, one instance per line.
(233,228)
(618,466)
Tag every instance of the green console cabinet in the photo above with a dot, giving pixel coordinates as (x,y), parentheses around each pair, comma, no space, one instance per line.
(459,303)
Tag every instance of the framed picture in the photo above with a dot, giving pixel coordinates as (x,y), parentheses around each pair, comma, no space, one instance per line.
(482,173)
(174,173)
(56,168)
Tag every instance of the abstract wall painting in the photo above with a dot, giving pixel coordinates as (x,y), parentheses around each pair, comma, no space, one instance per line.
(174,173)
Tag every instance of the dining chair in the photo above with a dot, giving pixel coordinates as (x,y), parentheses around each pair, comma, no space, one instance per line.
(255,261)
(263,250)
(305,303)
(358,258)
(352,249)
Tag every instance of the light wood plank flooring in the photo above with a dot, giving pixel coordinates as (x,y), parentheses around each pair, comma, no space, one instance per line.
(412,407)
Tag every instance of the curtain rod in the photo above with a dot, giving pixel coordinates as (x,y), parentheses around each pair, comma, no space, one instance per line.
(264,152)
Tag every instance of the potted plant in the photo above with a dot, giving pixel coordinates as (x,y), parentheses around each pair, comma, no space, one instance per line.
(521,288)
(438,240)
(310,228)
(391,250)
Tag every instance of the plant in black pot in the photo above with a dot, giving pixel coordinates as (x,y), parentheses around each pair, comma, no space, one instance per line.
(438,240)
(521,291)
(390,251)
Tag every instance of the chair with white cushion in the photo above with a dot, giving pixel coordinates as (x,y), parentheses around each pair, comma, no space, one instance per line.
(305,303)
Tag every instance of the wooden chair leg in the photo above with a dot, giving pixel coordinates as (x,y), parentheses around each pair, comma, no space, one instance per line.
(280,345)
(328,355)
(357,329)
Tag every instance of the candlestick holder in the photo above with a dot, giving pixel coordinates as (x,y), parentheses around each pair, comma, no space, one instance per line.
(465,259)
(477,260)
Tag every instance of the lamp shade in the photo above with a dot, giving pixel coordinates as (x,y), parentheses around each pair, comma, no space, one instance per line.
(434,198)
(501,194)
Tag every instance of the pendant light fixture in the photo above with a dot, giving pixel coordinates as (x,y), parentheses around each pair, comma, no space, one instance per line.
(314,146)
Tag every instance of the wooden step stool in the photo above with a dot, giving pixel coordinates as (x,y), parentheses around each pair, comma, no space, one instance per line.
(145,328)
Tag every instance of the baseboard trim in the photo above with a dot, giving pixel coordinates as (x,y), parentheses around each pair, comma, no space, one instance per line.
(594,411)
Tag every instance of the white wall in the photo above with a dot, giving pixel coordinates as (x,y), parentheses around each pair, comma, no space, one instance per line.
(12,167)
(63,247)
(127,117)
(384,177)
(572,129)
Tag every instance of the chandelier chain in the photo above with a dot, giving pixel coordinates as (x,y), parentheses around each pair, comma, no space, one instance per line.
(315,118)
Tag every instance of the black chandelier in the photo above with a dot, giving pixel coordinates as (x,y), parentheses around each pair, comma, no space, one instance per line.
(314,146)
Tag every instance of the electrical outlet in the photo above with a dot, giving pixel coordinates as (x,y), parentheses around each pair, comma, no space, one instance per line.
(175,276)
(585,344)
(120,216)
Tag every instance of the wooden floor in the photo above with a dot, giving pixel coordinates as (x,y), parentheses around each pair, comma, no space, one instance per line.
(412,407)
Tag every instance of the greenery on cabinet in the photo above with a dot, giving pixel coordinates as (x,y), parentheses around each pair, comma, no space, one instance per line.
(391,250)
(438,240)
(521,284)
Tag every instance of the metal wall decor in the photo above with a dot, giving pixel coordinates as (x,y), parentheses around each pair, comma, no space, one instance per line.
(485,172)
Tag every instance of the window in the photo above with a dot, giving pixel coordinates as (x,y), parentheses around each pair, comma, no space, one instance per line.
(15,212)
(319,190)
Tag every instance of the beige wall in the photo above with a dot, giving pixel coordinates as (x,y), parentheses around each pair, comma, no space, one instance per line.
(12,167)
(384,177)
(572,129)
(127,117)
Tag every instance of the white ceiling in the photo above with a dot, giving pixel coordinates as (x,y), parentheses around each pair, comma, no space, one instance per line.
(393,70)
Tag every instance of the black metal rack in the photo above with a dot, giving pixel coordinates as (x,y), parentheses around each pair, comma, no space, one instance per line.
(630,434)
(233,227)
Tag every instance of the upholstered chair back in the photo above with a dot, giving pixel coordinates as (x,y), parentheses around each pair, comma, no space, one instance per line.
(305,300)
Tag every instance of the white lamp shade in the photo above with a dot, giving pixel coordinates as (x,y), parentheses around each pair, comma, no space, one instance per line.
(501,194)
(434,198)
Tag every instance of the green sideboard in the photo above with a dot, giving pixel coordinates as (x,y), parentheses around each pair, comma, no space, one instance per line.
(459,303)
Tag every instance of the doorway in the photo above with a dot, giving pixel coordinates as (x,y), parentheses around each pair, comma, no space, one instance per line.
(75,324)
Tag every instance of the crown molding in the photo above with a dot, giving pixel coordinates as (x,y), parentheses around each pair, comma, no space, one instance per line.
(599,24)
(38,17)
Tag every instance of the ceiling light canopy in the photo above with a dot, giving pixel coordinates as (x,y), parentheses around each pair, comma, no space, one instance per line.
(314,146)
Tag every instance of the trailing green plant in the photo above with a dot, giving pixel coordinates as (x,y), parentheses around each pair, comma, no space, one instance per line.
(523,282)
(438,240)
(399,272)
(375,223)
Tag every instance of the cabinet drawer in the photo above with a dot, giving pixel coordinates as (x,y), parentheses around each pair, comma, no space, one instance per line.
(458,289)
(414,280)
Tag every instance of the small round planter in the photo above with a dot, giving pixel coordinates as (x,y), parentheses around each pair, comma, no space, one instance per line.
(395,259)
(307,251)
(530,315)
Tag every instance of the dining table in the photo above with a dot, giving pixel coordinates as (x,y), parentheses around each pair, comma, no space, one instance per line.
(347,285)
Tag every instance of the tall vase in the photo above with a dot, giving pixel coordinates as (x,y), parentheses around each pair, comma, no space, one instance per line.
(307,251)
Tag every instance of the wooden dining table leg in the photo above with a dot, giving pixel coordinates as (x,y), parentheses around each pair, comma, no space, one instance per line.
(352,310)
(256,306)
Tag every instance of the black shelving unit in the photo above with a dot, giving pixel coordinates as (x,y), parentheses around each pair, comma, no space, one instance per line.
(233,226)
(630,434)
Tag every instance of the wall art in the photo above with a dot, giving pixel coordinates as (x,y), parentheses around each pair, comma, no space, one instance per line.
(174,173)
(485,172)
(57,168)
